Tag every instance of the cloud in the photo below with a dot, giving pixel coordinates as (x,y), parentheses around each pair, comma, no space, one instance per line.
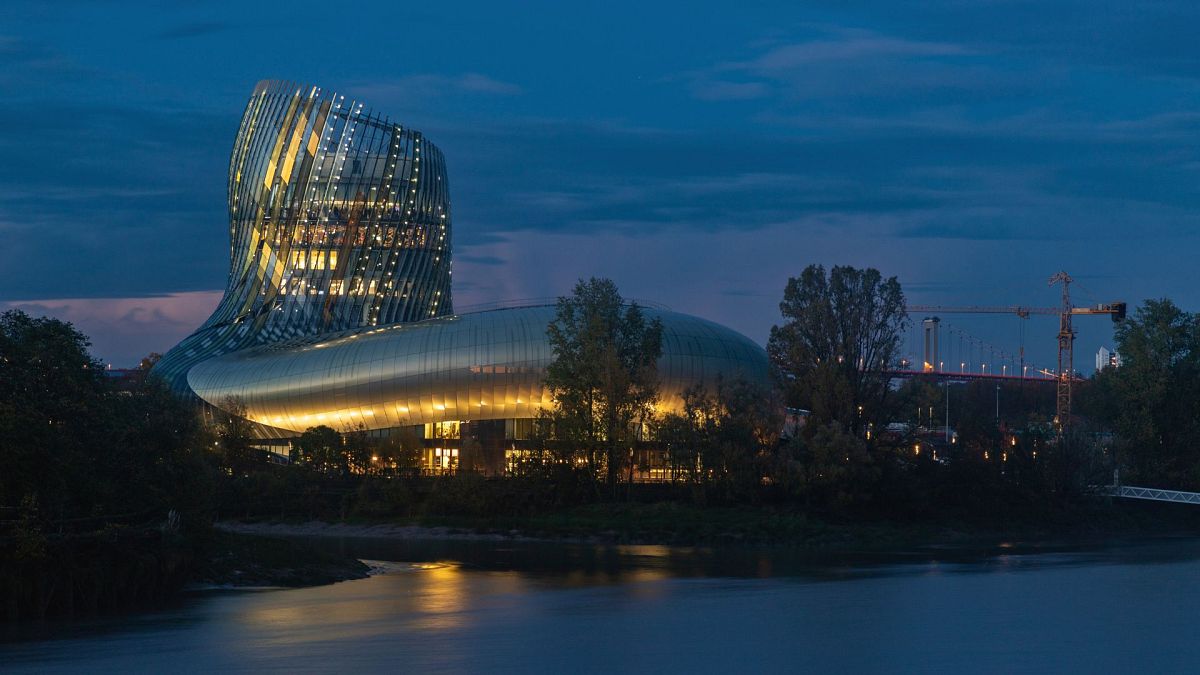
(719,90)
(112,184)
(842,45)
(480,259)
(484,84)
(932,182)
(744,293)
(193,29)
(28,63)
(832,63)
(125,329)
(403,90)
(992,79)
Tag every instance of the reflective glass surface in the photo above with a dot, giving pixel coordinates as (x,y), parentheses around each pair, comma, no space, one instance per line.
(338,307)
(481,366)
(338,218)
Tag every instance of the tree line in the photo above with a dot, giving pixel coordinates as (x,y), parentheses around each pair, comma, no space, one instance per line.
(856,441)
(74,446)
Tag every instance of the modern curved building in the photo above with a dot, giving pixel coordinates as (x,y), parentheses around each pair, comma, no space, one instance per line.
(338,219)
(338,307)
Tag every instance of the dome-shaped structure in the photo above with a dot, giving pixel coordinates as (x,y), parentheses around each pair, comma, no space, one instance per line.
(471,367)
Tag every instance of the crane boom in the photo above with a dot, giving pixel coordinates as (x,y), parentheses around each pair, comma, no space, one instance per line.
(1066,333)
(1019,310)
(1116,309)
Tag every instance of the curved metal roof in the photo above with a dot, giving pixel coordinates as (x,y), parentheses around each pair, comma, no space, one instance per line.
(480,366)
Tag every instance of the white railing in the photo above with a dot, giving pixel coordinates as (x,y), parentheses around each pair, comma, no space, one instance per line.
(1155,494)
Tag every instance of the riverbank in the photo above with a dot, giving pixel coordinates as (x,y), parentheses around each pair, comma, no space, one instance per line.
(612,524)
(121,569)
(234,559)
(89,573)
(687,525)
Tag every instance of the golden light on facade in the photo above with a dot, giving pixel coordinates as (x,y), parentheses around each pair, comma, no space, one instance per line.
(343,312)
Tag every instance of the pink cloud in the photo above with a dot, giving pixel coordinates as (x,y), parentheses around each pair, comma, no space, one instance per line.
(123,330)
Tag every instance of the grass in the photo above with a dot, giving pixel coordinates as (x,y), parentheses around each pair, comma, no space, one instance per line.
(241,560)
(690,525)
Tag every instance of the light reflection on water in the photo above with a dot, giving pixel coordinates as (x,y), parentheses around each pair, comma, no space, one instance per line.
(504,606)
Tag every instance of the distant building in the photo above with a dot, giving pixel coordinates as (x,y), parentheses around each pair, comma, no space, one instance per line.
(1107,359)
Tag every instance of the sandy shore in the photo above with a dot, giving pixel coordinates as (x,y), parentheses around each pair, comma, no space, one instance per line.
(381,531)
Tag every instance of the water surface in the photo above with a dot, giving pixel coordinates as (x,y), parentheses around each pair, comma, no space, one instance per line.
(501,606)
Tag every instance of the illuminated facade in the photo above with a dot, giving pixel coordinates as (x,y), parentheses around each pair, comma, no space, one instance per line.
(468,367)
(338,307)
(338,219)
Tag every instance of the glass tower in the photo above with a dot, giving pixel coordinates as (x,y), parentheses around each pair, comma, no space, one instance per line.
(338,219)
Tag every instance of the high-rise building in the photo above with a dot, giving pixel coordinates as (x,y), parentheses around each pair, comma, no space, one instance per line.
(1107,359)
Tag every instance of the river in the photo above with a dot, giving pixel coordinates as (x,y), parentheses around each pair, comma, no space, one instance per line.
(504,606)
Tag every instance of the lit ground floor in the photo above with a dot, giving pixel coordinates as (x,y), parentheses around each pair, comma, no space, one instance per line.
(489,447)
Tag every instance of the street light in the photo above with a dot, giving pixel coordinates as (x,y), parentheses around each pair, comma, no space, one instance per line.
(946,383)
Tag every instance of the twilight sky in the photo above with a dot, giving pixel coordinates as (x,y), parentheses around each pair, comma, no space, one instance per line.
(697,157)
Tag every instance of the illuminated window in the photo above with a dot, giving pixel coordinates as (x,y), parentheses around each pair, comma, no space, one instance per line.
(443,459)
(449,429)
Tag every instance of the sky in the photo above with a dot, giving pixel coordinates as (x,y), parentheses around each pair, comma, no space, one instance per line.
(698,157)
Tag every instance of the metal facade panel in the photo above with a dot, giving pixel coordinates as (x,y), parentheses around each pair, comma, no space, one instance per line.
(424,378)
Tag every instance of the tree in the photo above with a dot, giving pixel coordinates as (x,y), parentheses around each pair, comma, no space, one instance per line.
(687,434)
(235,436)
(155,440)
(52,405)
(604,376)
(838,333)
(73,446)
(356,451)
(722,434)
(403,449)
(830,468)
(320,448)
(1153,398)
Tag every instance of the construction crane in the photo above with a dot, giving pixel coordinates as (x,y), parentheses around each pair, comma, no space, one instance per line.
(1066,335)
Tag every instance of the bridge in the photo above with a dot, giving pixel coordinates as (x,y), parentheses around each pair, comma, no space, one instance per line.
(1064,374)
(974,356)
(937,348)
(1152,494)
(953,376)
